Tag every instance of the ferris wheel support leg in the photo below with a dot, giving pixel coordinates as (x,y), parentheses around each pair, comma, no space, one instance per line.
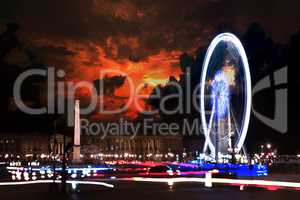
(245,152)
(229,127)
(243,149)
(217,139)
(207,137)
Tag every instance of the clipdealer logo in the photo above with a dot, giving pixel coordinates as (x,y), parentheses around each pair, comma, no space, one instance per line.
(279,85)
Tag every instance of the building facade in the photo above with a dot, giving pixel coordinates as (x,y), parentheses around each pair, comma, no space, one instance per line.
(138,147)
(12,144)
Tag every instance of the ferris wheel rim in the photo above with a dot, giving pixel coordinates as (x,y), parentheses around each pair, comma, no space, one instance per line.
(229,37)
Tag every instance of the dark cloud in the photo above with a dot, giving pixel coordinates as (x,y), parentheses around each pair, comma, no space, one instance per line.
(55,50)
(108,85)
(143,28)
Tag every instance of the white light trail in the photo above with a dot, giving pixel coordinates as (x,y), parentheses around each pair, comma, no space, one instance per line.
(56,181)
(91,183)
(27,182)
(262,183)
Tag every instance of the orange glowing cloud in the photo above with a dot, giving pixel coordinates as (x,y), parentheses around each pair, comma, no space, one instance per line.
(91,59)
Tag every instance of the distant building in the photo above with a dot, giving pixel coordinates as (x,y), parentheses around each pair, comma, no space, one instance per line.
(8,144)
(139,146)
(25,144)
(57,143)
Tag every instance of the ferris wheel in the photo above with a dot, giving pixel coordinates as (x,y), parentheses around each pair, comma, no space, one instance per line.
(225,96)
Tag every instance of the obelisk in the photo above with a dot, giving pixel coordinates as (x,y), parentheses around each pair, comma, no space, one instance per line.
(76,146)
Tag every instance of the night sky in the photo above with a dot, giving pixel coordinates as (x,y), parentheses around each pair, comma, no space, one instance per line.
(147,39)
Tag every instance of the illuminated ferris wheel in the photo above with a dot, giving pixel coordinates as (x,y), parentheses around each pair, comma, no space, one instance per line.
(225,97)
